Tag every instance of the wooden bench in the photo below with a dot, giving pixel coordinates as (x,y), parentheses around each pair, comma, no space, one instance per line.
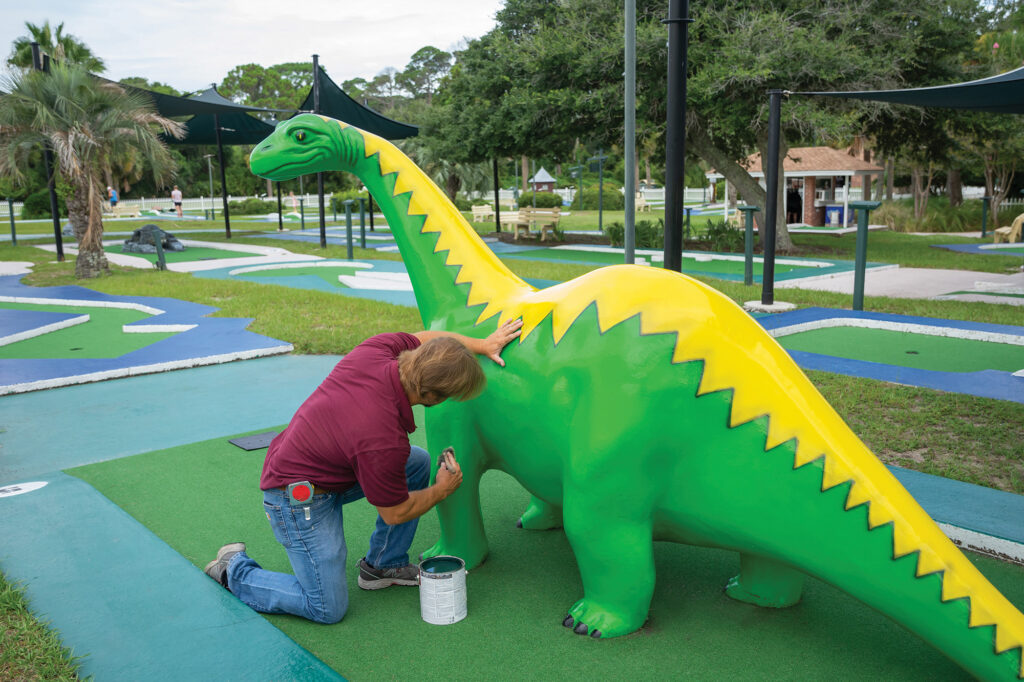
(482,212)
(641,203)
(525,218)
(1009,234)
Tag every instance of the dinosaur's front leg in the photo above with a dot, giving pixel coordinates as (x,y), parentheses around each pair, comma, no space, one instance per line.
(462,525)
(614,551)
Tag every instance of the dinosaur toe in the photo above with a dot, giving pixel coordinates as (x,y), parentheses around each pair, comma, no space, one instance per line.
(568,622)
(580,629)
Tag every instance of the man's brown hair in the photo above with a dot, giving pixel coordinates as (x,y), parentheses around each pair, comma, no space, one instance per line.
(444,367)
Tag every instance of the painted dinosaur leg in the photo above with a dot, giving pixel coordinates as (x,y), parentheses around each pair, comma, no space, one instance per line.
(764,582)
(540,515)
(462,526)
(614,551)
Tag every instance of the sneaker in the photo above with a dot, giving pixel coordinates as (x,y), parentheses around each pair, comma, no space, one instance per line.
(218,568)
(371,578)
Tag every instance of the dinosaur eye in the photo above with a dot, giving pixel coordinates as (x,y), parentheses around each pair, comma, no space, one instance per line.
(300,136)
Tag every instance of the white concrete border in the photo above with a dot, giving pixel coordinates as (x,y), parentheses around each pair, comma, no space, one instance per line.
(81,303)
(999,548)
(45,329)
(136,328)
(313,264)
(143,369)
(904,327)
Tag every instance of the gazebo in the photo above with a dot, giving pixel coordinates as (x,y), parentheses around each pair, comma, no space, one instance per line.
(823,177)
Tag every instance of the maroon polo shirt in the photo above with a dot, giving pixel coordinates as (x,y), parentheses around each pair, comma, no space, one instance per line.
(353,429)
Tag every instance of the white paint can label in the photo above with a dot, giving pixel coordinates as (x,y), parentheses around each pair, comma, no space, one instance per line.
(443,590)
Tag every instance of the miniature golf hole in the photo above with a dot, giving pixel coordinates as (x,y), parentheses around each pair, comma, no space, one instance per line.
(912,352)
(75,349)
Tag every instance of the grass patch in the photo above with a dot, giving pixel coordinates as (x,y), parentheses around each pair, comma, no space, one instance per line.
(29,650)
(909,251)
(956,436)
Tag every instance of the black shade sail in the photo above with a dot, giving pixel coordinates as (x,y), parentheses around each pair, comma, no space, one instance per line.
(1003,94)
(207,102)
(236,125)
(336,104)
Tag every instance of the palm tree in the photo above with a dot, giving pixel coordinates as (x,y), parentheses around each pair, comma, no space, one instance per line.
(87,122)
(59,45)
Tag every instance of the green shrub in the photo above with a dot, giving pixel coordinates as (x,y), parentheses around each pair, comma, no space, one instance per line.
(338,200)
(613,200)
(37,205)
(462,203)
(544,200)
(647,234)
(252,206)
(723,237)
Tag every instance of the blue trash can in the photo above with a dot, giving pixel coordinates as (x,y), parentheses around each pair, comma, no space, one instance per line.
(834,216)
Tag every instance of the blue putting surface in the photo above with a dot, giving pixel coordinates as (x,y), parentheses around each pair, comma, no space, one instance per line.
(199,339)
(75,425)
(985,384)
(985,249)
(127,602)
(16,323)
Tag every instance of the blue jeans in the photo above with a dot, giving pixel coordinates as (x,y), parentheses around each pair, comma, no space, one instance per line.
(317,552)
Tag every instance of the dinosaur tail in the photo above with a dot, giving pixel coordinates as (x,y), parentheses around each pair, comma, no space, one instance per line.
(816,499)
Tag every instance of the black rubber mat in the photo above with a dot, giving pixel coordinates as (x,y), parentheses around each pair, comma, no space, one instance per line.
(260,440)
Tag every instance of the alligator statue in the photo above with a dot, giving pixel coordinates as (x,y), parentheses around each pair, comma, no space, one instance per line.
(641,405)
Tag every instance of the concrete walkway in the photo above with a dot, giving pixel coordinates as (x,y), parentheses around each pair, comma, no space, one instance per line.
(921,283)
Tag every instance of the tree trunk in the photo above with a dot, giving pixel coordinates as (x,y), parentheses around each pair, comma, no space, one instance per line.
(954,187)
(921,182)
(525,162)
(85,213)
(745,184)
(890,179)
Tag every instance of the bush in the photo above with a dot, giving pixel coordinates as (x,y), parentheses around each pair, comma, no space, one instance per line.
(37,205)
(723,237)
(252,206)
(462,203)
(544,200)
(648,235)
(613,199)
(338,200)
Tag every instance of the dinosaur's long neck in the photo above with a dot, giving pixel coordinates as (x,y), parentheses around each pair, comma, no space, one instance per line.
(458,281)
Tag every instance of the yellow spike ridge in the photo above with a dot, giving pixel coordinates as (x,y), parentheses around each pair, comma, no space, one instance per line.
(1005,639)
(804,455)
(953,587)
(858,495)
(928,562)
(878,514)
(904,542)
(980,616)
(407,182)
(835,473)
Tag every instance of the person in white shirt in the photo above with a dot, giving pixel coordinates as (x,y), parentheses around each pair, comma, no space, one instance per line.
(176,198)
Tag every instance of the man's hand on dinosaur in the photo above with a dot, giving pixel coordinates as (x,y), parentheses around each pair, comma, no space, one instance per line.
(496,342)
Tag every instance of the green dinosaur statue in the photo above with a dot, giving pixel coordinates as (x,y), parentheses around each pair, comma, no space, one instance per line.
(642,405)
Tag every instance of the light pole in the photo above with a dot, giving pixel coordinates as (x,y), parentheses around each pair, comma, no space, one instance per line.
(209,169)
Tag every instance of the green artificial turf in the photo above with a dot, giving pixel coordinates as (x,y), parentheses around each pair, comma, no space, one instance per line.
(191,253)
(100,337)
(327,274)
(689,263)
(904,349)
(200,496)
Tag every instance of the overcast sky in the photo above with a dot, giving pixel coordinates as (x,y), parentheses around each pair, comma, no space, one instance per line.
(190,44)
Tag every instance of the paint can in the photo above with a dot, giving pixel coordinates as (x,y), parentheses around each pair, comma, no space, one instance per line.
(443,590)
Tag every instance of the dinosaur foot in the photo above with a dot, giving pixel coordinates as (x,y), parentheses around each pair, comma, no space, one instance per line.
(589,618)
(580,629)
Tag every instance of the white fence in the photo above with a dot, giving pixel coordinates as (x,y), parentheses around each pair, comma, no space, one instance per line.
(195,205)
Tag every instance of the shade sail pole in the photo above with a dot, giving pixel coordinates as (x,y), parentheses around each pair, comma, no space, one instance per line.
(771,169)
(630,130)
(223,177)
(319,176)
(497,203)
(675,132)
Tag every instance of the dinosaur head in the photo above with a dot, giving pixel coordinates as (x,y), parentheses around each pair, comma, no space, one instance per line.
(302,145)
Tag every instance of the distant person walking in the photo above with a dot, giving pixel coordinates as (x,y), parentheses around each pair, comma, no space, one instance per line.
(112,198)
(176,198)
(294,200)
